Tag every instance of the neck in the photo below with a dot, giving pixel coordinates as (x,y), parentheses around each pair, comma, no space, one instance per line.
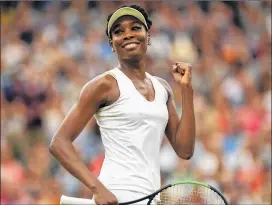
(134,69)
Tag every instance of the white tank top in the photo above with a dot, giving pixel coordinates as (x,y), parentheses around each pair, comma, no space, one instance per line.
(132,129)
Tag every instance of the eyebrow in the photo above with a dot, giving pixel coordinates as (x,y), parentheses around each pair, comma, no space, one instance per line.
(118,25)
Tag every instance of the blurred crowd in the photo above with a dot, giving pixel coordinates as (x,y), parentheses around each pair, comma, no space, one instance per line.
(50,49)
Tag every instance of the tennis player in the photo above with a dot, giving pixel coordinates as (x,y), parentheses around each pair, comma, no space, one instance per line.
(134,111)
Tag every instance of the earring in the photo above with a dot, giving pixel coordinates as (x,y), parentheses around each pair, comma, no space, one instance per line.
(149,43)
(112,49)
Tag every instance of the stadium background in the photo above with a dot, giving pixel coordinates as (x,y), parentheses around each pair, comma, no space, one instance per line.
(49,50)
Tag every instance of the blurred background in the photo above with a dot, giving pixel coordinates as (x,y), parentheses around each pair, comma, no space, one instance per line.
(50,49)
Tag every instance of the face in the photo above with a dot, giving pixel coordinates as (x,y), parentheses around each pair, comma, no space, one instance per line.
(129,38)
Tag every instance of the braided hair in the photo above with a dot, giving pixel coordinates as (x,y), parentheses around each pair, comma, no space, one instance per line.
(140,9)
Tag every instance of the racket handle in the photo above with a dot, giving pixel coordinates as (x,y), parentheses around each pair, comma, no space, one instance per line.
(66,200)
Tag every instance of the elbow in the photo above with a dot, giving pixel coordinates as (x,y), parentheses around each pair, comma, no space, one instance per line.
(53,146)
(186,155)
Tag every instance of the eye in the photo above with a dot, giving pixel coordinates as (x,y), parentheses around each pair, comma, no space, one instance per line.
(136,28)
(117,31)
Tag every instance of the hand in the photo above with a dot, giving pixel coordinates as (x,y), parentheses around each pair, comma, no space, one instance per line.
(182,73)
(103,196)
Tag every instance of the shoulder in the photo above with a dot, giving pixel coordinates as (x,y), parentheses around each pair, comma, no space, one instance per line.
(166,85)
(100,85)
(101,82)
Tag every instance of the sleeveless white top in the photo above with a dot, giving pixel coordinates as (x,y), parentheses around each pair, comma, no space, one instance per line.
(132,129)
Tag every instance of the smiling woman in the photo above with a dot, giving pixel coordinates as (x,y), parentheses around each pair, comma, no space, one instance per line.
(134,110)
(129,20)
(132,47)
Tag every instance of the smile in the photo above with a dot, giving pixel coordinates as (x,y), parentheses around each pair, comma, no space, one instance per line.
(131,45)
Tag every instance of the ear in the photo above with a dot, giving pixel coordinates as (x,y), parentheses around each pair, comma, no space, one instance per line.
(111,45)
(148,39)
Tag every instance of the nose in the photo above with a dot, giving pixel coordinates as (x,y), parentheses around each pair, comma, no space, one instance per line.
(128,36)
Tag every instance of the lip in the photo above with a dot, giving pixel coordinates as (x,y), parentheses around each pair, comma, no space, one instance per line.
(127,43)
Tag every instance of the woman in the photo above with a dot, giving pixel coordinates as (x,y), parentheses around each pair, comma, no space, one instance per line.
(134,110)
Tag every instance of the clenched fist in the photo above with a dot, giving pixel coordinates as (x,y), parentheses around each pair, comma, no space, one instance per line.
(182,73)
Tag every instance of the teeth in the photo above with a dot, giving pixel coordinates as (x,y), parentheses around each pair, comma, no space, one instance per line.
(131,45)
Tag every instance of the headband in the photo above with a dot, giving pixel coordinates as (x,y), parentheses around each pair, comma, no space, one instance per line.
(125,11)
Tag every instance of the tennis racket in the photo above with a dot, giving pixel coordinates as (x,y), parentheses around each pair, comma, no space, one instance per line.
(181,193)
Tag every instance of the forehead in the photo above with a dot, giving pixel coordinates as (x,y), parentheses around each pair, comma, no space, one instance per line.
(124,20)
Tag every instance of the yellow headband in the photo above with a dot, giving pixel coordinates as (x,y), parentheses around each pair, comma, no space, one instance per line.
(126,11)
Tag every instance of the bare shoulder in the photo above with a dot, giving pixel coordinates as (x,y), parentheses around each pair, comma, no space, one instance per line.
(165,85)
(101,83)
(99,89)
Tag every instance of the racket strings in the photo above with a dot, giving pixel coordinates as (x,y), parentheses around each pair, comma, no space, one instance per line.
(189,194)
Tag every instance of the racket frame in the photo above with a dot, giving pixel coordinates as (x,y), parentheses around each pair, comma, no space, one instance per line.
(152,196)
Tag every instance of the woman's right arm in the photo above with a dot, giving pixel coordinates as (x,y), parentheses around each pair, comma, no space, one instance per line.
(93,95)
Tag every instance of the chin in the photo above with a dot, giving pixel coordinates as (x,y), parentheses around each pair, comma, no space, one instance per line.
(135,55)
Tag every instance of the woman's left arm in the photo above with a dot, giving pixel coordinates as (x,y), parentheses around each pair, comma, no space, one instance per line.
(181,132)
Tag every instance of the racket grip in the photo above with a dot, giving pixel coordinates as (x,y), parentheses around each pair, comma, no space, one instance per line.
(66,200)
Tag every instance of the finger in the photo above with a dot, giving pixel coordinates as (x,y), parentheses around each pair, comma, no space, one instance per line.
(185,66)
(188,75)
(175,68)
(190,67)
(178,69)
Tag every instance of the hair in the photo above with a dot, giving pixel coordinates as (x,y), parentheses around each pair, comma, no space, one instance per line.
(138,8)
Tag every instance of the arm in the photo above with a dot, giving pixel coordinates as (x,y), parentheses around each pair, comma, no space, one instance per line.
(93,95)
(181,132)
